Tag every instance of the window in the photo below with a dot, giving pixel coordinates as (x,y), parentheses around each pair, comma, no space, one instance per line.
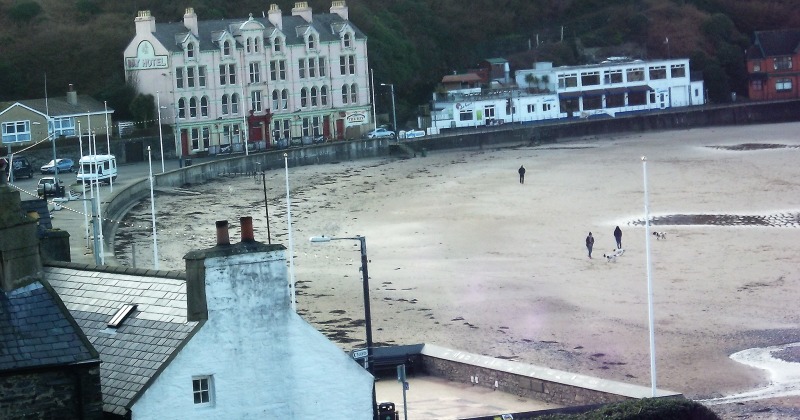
(63,126)
(195,137)
(783,63)
(342,64)
(783,85)
(312,67)
(323,95)
(234,104)
(226,48)
(757,85)
(193,107)
(285,99)
(201,387)
(201,76)
(616,100)
(465,115)
(16,131)
(277,70)
(347,40)
(275,99)
(353,94)
(303,98)
(488,111)
(190,50)
(301,67)
(122,314)
(223,74)
(531,108)
(311,43)
(255,72)
(204,106)
(182,108)
(347,64)
(567,80)
(591,78)
(179,77)
(546,107)
(190,77)
(255,101)
(344,94)
(315,125)
(677,70)
(277,44)
(322,67)
(613,76)
(281,129)
(658,72)
(314,96)
(635,74)
(232,74)
(306,127)
(757,66)
(256,44)
(224,104)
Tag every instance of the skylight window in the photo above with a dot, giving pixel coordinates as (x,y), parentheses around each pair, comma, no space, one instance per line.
(122,314)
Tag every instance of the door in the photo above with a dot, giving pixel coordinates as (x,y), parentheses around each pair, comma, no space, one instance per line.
(184,142)
(340,129)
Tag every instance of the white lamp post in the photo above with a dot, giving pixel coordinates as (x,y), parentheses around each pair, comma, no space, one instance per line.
(153,210)
(394,111)
(160,134)
(649,283)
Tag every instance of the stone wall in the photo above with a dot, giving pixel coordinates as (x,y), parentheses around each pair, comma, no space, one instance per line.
(68,392)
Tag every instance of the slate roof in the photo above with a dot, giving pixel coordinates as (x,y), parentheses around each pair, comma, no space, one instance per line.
(323,23)
(37,331)
(146,341)
(775,43)
(60,107)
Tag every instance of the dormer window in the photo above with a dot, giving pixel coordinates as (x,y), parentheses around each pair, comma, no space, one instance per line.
(190,50)
(277,45)
(347,39)
(311,42)
(226,48)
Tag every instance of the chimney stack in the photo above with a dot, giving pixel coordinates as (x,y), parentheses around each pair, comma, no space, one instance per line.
(247,229)
(72,95)
(275,17)
(190,20)
(339,7)
(301,9)
(145,23)
(222,233)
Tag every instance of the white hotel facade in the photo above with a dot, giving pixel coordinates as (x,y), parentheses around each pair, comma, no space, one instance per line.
(616,86)
(260,81)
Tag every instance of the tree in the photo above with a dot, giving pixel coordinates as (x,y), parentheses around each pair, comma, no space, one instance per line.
(143,108)
(24,12)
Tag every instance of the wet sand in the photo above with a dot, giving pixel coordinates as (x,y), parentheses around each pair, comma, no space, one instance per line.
(464,256)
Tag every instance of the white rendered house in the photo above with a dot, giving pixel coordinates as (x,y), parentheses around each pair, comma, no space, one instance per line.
(256,80)
(252,356)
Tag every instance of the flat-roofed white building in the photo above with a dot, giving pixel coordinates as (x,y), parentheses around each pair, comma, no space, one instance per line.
(257,80)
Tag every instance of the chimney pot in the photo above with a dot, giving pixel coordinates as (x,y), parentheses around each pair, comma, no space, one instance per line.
(222,233)
(247,229)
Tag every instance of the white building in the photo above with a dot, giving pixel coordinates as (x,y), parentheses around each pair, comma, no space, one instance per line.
(286,78)
(546,92)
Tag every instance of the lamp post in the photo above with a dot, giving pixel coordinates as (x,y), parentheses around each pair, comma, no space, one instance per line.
(160,134)
(153,210)
(367,317)
(650,315)
(394,111)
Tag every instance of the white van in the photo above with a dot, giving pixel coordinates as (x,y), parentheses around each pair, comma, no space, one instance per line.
(97,168)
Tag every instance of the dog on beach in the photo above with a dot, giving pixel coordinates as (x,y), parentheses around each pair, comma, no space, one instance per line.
(660,235)
(612,256)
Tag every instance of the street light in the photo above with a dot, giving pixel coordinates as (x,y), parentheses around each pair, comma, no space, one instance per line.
(160,135)
(394,111)
(367,317)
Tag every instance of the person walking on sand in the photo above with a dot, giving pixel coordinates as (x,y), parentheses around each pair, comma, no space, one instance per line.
(618,237)
(590,243)
(521,174)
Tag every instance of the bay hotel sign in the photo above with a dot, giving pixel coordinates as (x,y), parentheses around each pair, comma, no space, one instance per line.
(145,58)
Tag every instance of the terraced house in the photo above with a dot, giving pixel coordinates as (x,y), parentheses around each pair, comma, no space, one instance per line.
(257,81)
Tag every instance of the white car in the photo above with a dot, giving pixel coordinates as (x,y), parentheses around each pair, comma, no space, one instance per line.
(380,133)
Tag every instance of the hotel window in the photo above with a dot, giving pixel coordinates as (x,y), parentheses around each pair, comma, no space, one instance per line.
(255,101)
(353,94)
(782,63)
(344,94)
(201,385)
(232,74)
(635,75)
(195,134)
(756,66)
(190,77)
(201,76)
(224,104)
(347,40)
(303,98)
(248,45)
(488,111)
(285,99)
(323,96)
(315,125)
(277,70)
(275,99)
(613,76)
(16,131)
(182,108)
(314,96)
(223,74)
(234,104)
(277,44)
(783,85)
(757,85)
(204,106)
(312,67)
(255,72)
(306,127)
(322,67)
(256,44)
(179,77)
(677,70)
(63,126)
(206,138)
(351,63)
(567,80)
(546,107)
(658,72)
(281,128)
(190,50)
(531,108)
(226,48)
(193,107)
(312,42)
(301,68)
(347,64)
(591,78)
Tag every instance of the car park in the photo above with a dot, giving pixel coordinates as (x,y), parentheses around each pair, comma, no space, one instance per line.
(63,165)
(380,133)
(21,167)
(98,168)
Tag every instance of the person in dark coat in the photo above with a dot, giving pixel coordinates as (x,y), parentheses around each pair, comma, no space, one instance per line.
(618,237)
(590,243)
(521,174)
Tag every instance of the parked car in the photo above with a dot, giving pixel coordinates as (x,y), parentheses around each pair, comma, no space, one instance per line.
(63,165)
(380,133)
(22,168)
(99,168)
(49,186)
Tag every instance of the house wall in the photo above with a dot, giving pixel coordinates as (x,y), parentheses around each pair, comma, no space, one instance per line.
(765,86)
(59,393)
(262,359)
(36,121)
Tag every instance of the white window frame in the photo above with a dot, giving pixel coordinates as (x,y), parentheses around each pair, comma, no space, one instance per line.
(303,98)
(255,72)
(285,99)
(353,94)
(203,390)
(345,94)
(255,101)
(201,76)
(783,85)
(301,68)
(323,95)
(179,77)
(21,131)
(225,101)
(235,103)
(204,106)
(62,126)
(190,77)
(322,69)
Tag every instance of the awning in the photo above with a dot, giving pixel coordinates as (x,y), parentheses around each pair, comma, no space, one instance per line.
(596,92)
(569,95)
(616,91)
(642,88)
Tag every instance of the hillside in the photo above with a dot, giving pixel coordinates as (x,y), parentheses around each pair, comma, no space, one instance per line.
(412,43)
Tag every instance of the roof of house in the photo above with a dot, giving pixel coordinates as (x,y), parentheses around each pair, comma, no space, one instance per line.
(37,331)
(136,351)
(325,25)
(59,106)
(774,43)
(461,78)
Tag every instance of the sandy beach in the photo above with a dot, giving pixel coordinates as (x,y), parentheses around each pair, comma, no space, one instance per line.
(464,256)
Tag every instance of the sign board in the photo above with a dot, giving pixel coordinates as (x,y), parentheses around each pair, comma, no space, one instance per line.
(360,354)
